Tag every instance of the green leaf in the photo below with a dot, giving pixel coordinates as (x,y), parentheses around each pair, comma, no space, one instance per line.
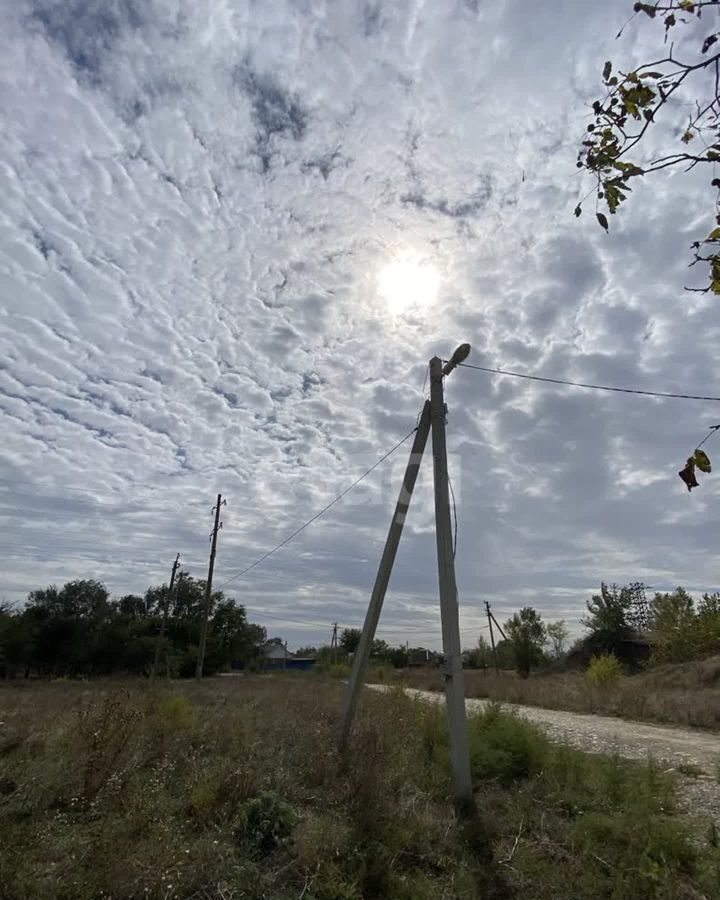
(687,137)
(578,211)
(602,220)
(607,70)
(714,235)
(687,5)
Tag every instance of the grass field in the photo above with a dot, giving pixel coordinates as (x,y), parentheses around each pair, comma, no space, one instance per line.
(233,789)
(681,694)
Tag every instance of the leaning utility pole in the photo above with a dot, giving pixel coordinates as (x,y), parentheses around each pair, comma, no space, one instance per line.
(492,637)
(432,418)
(454,681)
(208,590)
(497,625)
(362,653)
(163,623)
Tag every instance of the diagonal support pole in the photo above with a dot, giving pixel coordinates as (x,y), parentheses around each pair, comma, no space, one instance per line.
(362,654)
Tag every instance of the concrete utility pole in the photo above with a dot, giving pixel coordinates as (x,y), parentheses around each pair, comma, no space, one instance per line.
(497,625)
(362,654)
(334,642)
(492,637)
(208,590)
(163,623)
(454,681)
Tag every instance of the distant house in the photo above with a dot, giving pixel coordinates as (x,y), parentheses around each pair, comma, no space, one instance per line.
(274,651)
(275,656)
(422,657)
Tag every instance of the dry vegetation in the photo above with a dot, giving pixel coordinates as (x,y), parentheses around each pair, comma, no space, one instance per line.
(682,694)
(233,789)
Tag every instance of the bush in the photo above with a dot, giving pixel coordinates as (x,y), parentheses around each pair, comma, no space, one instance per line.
(504,748)
(604,671)
(265,821)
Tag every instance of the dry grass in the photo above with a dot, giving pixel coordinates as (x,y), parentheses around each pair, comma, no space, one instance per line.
(681,694)
(233,789)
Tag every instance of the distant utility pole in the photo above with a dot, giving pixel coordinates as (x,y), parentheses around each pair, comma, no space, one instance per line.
(492,637)
(432,419)
(163,623)
(498,626)
(208,590)
(334,642)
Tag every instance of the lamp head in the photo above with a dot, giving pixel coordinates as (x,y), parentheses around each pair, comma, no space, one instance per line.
(460,355)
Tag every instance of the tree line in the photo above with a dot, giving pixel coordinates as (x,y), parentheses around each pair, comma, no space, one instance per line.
(79,630)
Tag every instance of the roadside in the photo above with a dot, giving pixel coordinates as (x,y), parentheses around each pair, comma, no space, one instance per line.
(693,755)
(685,694)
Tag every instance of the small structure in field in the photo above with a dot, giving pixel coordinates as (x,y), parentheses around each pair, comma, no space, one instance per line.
(275,656)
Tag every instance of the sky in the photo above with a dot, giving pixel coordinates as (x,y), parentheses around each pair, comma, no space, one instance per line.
(233,234)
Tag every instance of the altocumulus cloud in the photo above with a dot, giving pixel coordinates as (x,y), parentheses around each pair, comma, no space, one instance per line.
(196,204)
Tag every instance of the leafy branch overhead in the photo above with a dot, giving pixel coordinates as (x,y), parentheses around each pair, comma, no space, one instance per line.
(631,106)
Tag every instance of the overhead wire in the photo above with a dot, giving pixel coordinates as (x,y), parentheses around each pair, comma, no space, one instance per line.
(594,387)
(713,429)
(317,515)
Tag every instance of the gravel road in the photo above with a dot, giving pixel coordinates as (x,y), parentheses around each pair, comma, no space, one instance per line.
(699,795)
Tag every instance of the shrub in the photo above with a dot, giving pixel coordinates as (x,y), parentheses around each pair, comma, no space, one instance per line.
(265,821)
(504,748)
(604,671)
(176,712)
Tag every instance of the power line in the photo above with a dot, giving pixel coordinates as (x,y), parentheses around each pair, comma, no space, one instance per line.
(318,514)
(594,387)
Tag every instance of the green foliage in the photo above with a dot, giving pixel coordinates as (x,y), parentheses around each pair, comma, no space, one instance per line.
(250,800)
(349,639)
(609,616)
(176,712)
(558,635)
(526,634)
(77,630)
(604,671)
(679,631)
(503,748)
(265,822)
(631,104)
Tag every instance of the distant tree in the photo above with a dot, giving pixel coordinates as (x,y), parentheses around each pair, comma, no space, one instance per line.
(479,657)
(673,626)
(132,606)
(397,657)
(76,599)
(558,634)
(76,630)
(231,636)
(526,634)
(683,87)
(349,639)
(305,652)
(708,624)
(607,618)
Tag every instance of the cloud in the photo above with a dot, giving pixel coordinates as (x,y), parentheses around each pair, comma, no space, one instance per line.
(196,206)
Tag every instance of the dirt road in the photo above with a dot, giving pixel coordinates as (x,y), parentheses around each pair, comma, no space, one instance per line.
(676,748)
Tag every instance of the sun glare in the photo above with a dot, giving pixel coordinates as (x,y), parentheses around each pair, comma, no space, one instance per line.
(408,283)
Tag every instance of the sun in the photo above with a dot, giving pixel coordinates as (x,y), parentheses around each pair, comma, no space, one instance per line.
(408,283)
